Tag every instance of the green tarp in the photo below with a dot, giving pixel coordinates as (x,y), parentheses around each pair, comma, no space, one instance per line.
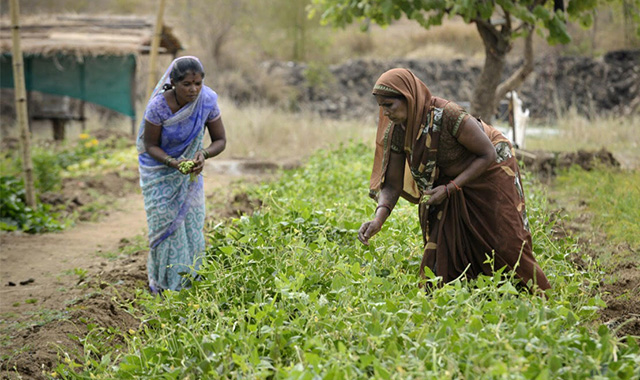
(103,80)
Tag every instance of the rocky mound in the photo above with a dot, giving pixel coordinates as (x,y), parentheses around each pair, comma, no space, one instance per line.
(610,84)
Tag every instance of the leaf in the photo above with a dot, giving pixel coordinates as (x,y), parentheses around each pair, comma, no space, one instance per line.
(312,358)
(557,31)
(381,372)
(387,8)
(227,250)
(541,13)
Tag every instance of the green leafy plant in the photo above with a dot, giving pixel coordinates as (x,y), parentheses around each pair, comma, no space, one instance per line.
(15,215)
(289,292)
(51,164)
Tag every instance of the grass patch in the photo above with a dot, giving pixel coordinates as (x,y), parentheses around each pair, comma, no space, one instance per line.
(616,134)
(269,133)
(612,197)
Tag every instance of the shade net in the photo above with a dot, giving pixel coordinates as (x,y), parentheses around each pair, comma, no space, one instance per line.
(103,80)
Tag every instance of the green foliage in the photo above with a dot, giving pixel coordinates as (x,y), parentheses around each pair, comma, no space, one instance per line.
(289,292)
(50,165)
(430,13)
(47,170)
(613,198)
(49,162)
(14,213)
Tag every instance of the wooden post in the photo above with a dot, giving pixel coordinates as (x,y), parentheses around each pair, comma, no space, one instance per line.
(21,105)
(59,126)
(153,55)
(132,96)
(82,116)
(511,118)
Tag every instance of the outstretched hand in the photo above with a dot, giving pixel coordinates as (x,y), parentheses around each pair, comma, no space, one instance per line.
(368,229)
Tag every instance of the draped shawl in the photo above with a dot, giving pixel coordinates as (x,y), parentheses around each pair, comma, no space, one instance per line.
(421,141)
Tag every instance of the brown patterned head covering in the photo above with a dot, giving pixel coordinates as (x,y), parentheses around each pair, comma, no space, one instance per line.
(401,83)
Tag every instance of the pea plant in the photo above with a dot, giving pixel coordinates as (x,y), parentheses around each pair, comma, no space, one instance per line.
(290,293)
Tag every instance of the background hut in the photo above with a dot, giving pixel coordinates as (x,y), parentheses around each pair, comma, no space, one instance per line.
(88,58)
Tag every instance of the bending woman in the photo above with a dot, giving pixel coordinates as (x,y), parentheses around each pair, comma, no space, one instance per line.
(462,173)
(180,109)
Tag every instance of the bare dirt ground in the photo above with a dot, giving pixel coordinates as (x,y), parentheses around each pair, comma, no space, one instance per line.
(56,288)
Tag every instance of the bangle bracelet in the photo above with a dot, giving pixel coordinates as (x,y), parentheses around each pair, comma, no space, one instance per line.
(168,160)
(454,184)
(204,153)
(385,206)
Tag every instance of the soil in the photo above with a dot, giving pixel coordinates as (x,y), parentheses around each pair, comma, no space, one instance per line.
(58,287)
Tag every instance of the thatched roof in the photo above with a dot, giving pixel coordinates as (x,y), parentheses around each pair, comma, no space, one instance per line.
(83,35)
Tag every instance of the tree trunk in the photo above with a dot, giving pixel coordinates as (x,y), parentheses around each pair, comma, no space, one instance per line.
(519,76)
(497,45)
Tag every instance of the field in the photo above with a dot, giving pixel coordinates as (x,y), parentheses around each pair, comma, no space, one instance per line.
(288,292)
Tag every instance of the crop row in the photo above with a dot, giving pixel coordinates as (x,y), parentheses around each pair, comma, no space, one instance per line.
(289,293)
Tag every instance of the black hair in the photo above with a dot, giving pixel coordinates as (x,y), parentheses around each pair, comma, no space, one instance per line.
(181,68)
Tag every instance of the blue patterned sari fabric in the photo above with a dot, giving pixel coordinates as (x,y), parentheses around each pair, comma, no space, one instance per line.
(173,203)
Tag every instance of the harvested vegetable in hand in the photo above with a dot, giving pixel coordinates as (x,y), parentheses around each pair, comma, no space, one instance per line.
(185,167)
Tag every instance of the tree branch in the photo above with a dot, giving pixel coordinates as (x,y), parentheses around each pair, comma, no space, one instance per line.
(488,27)
(519,76)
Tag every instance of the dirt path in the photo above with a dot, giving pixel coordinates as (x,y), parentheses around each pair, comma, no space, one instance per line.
(39,265)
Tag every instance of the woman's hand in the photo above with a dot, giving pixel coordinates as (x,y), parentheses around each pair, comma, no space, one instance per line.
(175,163)
(437,195)
(199,160)
(368,229)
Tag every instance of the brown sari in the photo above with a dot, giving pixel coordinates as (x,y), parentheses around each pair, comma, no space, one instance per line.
(486,219)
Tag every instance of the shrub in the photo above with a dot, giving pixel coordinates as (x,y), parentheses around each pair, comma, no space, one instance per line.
(14,213)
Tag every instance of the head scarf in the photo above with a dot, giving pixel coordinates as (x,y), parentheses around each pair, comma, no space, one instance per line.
(182,113)
(403,83)
(166,77)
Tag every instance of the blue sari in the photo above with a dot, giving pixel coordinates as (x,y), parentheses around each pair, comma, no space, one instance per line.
(173,203)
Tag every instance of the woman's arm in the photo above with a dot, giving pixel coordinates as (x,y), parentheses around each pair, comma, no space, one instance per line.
(218,137)
(389,194)
(473,138)
(151,139)
(218,143)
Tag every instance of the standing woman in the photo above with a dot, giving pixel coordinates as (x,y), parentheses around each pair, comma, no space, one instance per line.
(463,174)
(180,109)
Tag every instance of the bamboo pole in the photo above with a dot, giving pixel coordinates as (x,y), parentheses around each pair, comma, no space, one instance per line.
(153,55)
(21,105)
